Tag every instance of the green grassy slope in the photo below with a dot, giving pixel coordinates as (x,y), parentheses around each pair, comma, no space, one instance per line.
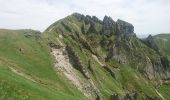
(164,89)
(163,41)
(25,51)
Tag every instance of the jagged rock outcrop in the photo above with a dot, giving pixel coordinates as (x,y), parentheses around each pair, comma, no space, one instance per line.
(87,18)
(75,60)
(160,67)
(126,48)
(124,32)
(109,42)
(151,43)
(109,26)
(124,27)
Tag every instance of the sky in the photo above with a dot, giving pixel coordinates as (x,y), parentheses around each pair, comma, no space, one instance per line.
(147,16)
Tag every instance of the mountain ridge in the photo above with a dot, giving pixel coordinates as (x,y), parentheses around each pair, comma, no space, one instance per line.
(124,33)
(123,30)
(83,57)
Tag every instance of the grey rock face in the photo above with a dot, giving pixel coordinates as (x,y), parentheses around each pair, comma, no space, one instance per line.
(87,18)
(124,27)
(161,67)
(92,28)
(109,26)
(77,62)
(95,19)
(160,70)
(118,55)
(151,43)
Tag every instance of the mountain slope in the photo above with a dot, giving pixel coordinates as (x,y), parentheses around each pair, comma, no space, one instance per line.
(114,49)
(27,69)
(163,42)
(81,57)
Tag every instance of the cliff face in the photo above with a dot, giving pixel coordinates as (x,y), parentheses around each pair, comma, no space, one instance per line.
(163,62)
(128,49)
(108,47)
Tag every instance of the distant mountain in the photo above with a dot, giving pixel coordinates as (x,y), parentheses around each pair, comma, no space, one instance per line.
(163,42)
(83,57)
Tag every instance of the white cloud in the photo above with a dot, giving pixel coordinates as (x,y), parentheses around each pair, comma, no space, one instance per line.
(148,16)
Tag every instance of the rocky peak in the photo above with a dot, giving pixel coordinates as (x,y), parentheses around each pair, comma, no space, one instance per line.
(151,43)
(108,20)
(118,27)
(109,26)
(150,37)
(124,27)
(87,18)
(95,19)
(92,19)
(108,23)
